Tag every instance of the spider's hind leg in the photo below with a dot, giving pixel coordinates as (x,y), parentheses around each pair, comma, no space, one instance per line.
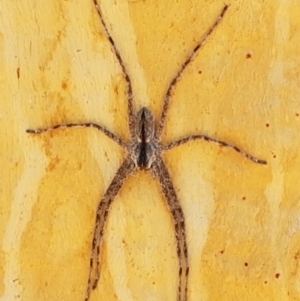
(127,168)
(161,173)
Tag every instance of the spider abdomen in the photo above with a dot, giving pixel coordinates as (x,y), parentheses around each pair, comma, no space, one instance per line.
(144,154)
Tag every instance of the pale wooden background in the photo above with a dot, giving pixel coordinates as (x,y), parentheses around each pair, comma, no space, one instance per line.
(242,219)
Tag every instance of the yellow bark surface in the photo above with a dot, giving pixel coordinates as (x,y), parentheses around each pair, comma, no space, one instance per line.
(242,219)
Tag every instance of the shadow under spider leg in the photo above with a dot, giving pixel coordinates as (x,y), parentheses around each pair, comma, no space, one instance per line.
(144,153)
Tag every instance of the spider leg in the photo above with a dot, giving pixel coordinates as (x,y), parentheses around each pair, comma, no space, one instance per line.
(167,97)
(210,139)
(127,168)
(160,171)
(101,128)
(124,71)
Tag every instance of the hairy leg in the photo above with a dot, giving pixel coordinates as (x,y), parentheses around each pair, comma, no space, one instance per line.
(214,140)
(161,173)
(101,128)
(116,51)
(127,168)
(168,95)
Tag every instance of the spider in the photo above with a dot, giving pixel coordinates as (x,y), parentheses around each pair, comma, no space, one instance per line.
(144,153)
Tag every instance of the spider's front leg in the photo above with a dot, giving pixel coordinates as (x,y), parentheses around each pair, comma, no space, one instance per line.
(177,77)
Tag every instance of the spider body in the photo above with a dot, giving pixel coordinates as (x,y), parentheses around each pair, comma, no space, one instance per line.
(145,148)
(144,152)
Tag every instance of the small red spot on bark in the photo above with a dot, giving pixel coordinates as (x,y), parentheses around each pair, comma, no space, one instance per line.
(64,85)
